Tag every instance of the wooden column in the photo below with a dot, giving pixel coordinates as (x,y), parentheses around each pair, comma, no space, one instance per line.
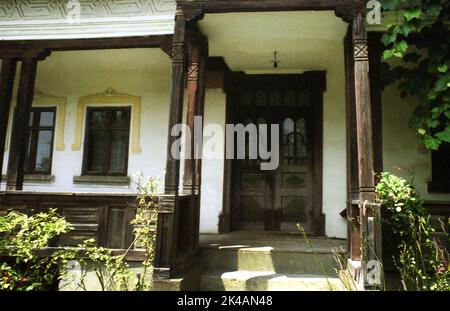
(195,108)
(7,75)
(369,217)
(375,53)
(198,146)
(192,97)
(18,145)
(167,219)
(354,243)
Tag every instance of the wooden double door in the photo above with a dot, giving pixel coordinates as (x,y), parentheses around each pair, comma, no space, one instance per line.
(278,199)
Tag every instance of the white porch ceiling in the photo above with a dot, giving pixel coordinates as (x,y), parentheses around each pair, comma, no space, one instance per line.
(303,40)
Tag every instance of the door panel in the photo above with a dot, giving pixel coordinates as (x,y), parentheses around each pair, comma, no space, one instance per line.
(278,199)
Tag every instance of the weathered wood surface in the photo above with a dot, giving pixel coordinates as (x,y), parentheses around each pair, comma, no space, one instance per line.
(28,46)
(166,244)
(352,152)
(7,75)
(369,211)
(17,150)
(224,6)
(105,218)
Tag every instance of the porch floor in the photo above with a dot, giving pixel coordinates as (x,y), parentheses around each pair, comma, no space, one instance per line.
(273,241)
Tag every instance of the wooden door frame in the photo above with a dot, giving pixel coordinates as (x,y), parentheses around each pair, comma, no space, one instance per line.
(316,82)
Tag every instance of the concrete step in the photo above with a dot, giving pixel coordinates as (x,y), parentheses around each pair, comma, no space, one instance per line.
(269,259)
(267,281)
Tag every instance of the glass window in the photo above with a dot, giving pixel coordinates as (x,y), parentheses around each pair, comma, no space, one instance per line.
(106,141)
(41,131)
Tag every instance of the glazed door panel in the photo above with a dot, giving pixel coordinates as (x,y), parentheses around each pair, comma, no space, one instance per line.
(277,199)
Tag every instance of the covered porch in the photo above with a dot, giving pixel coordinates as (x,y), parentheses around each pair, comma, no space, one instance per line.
(322,43)
(246,35)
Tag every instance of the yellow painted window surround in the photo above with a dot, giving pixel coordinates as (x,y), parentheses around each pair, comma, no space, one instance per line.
(110,97)
(41,99)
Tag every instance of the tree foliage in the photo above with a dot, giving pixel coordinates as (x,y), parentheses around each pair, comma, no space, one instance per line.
(422,40)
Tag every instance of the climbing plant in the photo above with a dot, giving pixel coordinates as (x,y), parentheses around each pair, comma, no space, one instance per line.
(421,260)
(422,41)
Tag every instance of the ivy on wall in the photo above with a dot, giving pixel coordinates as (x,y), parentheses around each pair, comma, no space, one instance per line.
(422,41)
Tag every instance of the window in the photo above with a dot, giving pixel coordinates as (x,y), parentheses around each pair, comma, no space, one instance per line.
(106,141)
(440,170)
(41,129)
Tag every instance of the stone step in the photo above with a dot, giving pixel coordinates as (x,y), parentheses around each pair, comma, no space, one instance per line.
(267,281)
(269,259)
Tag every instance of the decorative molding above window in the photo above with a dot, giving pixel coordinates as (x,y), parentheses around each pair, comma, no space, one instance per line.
(42,99)
(110,97)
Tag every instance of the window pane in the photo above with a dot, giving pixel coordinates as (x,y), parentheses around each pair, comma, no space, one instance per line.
(302,151)
(119,118)
(47,118)
(290,97)
(261,98)
(98,118)
(97,146)
(43,151)
(275,98)
(246,98)
(119,150)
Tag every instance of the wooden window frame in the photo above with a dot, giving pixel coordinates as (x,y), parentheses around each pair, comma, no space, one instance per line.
(108,129)
(33,130)
(437,183)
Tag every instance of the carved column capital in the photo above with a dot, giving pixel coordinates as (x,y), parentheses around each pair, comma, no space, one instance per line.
(359,38)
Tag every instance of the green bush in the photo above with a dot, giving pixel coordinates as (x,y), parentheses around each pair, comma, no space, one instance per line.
(420,259)
(21,237)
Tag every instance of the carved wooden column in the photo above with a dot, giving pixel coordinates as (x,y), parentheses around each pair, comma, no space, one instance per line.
(192,95)
(166,229)
(369,212)
(375,48)
(18,145)
(198,145)
(7,75)
(195,105)
(354,242)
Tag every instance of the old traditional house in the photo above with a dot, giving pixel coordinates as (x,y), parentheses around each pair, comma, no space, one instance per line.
(88,99)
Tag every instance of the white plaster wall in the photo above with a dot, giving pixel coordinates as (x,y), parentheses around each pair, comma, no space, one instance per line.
(138,72)
(403,154)
(143,72)
(213,169)
(334,148)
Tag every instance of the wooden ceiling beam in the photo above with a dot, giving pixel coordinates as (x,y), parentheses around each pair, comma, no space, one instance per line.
(84,44)
(226,6)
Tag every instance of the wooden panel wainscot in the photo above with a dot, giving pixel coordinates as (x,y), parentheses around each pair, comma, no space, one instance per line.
(105,218)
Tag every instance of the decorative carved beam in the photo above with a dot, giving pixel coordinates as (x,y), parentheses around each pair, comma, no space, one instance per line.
(84,44)
(7,75)
(17,151)
(225,6)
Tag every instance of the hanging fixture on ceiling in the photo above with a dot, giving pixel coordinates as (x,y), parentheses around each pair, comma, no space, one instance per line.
(275,60)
